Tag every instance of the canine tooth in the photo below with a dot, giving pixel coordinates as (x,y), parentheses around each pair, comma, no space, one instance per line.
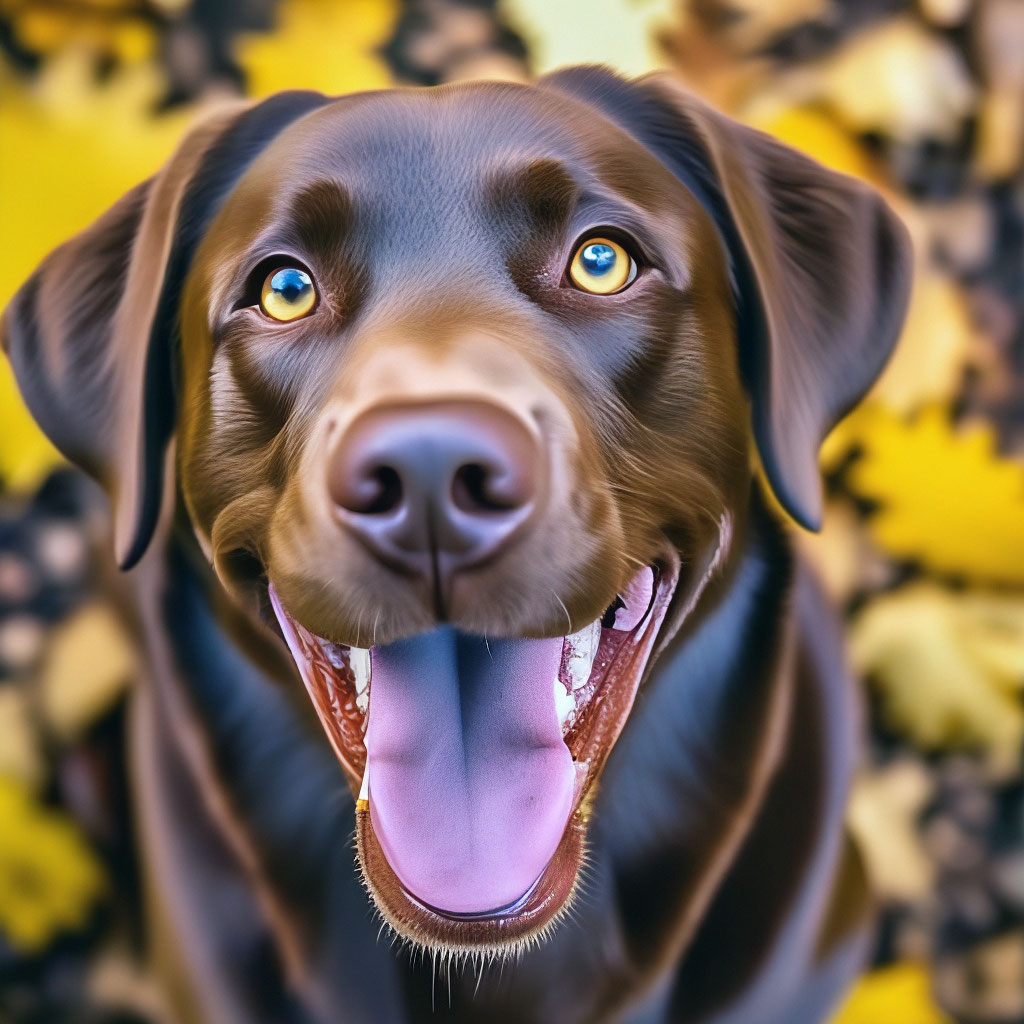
(584,646)
(565,704)
(359,662)
(364,788)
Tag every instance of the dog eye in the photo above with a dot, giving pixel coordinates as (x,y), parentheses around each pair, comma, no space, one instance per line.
(601,267)
(287,294)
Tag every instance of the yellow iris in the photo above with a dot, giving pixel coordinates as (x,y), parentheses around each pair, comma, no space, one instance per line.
(288,294)
(601,267)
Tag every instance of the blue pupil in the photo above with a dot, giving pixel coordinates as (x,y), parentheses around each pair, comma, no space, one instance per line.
(291,284)
(598,258)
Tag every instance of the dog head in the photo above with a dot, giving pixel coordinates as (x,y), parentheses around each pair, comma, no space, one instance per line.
(466,385)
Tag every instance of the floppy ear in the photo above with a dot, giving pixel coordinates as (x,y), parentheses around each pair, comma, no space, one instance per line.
(93,334)
(820,267)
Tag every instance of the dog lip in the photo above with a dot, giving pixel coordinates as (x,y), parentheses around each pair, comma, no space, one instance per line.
(495,932)
(516,907)
(590,739)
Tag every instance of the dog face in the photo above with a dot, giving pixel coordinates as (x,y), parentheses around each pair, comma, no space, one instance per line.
(446,333)
(465,381)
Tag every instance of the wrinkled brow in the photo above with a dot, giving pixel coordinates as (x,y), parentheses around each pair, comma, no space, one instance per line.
(544,189)
(320,213)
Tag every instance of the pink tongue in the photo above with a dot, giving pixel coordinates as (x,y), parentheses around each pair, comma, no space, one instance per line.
(470,783)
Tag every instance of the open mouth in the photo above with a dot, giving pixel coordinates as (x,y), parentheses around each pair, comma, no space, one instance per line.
(472,759)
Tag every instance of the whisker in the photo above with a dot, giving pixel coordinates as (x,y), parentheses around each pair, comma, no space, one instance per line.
(568,618)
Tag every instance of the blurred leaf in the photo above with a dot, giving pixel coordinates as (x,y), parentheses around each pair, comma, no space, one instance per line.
(986,983)
(947,499)
(946,13)
(883,816)
(89,662)
(901,80)
(815,134)
(320,45)
(20,753)
(751,25)
(69,151)
(50,880)
(998,51)
(936,346)
(949,667)
(110,29)
(620,33)
(894,995)
(842,555)
(1000,146)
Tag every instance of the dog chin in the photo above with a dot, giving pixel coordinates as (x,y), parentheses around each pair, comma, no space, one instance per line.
(473,761)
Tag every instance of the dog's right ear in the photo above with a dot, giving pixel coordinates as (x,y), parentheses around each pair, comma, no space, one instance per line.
(93,334)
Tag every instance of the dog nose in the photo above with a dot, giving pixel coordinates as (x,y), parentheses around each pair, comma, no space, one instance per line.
(440,482)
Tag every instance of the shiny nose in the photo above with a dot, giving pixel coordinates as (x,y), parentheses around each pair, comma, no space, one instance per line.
(435,486)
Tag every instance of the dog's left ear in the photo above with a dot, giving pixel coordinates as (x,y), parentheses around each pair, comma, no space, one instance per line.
(93,334)
(820,266)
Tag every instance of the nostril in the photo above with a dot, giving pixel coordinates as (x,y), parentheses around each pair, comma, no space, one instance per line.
(476,489)
(389,491)
(378,491)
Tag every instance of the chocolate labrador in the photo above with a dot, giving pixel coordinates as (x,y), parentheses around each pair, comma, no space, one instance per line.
(454,408)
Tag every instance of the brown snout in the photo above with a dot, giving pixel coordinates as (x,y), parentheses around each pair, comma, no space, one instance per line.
(431,487)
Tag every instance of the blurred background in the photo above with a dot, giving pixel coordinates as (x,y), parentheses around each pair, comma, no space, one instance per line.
(923,547)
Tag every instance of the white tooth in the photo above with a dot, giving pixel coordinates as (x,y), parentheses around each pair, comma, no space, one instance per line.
(564,702)
(359,662)
(583,646)
(364,788)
